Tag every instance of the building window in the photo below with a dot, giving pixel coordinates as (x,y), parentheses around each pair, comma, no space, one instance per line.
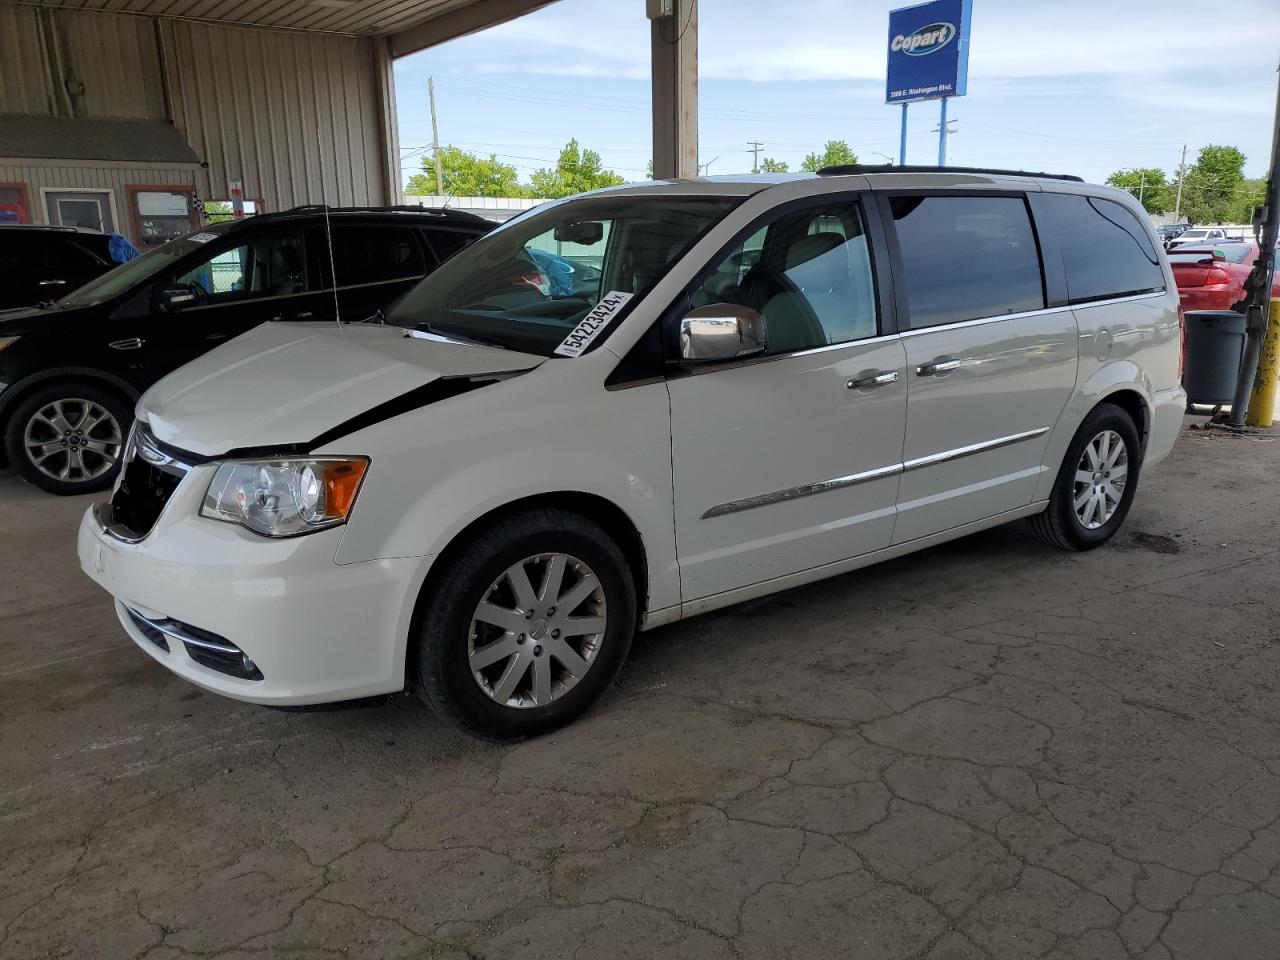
(161,213)
(220,211)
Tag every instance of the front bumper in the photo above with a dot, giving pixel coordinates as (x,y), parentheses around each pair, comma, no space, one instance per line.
(317,631)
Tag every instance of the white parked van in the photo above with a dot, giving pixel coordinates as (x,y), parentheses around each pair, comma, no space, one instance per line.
(633,406)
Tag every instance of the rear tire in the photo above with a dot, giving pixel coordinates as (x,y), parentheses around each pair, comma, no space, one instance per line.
(1105,454)
(496,655)
(68,437)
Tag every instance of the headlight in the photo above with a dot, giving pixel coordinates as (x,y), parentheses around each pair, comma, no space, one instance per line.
(284,498)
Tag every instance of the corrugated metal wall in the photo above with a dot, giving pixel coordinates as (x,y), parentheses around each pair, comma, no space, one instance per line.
(24,65)
(296,117)
(117,59)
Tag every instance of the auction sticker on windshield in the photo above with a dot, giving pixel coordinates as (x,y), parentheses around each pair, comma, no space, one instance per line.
(589,327)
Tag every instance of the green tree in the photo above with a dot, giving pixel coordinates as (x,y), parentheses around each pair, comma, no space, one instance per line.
(1147,183)
(834,154)
(576,170)
(1211,189)
(770,165)
(466,175)
(1251,193)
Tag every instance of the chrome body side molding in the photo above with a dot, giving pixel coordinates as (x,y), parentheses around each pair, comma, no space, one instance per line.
(839,483)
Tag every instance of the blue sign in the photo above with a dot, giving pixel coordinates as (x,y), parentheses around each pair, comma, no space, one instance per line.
(928,51)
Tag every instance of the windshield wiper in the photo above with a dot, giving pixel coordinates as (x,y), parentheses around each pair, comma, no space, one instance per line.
(470,338)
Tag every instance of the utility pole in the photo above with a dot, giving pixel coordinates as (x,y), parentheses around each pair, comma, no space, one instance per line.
(755,146)
(1142,186)
(1182,172)
(943,130)
(1255,394)
(435,137)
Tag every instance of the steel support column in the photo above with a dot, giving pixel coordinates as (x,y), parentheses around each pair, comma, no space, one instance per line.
(674,45)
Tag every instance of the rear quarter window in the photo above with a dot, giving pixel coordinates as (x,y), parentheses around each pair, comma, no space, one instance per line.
(1106,251)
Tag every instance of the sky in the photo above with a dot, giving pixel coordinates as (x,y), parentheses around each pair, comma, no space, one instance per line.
(1066,86)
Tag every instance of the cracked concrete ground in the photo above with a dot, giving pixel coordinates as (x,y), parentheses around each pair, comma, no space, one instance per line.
(989,750)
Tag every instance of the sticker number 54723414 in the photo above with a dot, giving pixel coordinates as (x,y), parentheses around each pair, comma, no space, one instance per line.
(589,327)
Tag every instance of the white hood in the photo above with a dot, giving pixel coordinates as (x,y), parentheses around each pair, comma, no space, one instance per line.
(286,383)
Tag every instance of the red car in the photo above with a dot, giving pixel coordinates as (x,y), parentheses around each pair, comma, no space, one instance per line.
(1211,277)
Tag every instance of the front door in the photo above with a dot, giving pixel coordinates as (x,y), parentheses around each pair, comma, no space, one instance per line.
(243,280)
(790,461)
(80,208)
(990,368)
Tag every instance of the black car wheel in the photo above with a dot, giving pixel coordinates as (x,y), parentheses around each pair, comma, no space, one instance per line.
(1096,483)
(68,438)
(530,623)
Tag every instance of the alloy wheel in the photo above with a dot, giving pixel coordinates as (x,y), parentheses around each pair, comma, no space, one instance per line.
(73,440)
(528,647)
(1100,479)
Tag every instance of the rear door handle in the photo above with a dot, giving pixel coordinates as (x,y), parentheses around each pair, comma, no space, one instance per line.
(935,367)
(52,283)
(881,378)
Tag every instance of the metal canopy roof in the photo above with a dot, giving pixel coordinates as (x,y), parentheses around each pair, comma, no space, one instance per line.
(359,17)
(62,138)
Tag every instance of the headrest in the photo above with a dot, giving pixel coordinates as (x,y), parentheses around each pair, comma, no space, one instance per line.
(811,247)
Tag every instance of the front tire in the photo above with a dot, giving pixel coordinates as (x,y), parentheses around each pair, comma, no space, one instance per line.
(1096,482)
(529,624)
(68,438)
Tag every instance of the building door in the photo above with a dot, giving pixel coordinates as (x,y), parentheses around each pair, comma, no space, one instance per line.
(80,208)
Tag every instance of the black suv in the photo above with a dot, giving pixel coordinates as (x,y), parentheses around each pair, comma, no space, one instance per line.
(45,263)
(71,370)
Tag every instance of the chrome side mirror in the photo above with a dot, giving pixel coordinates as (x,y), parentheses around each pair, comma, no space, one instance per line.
(722,331)
(178,297)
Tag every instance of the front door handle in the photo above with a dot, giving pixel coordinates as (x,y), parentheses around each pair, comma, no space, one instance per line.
(52,283)
(881,378)
(935,367)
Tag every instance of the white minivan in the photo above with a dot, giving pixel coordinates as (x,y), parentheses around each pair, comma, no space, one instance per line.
(633,406)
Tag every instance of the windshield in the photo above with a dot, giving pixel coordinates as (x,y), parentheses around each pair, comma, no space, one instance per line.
(1193,234)
(125,277)
(526,285)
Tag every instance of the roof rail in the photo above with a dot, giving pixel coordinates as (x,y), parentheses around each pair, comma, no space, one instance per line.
(442,212)
(850,168)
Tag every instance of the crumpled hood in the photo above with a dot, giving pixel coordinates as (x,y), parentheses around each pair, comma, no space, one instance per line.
(288,383)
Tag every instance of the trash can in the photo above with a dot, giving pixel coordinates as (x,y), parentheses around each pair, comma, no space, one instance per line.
(1215,350)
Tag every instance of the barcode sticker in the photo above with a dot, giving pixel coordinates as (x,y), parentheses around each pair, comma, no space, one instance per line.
(589,327)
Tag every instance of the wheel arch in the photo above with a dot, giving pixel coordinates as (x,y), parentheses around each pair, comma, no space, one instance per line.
(613,519)
(1135,405)
(21,389)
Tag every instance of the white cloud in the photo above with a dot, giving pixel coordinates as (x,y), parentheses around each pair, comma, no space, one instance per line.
(769,40)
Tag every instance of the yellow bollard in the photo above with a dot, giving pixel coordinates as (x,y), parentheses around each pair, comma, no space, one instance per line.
(1262,401)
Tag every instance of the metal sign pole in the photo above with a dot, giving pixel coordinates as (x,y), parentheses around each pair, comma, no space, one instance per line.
(902,142)
(942,135)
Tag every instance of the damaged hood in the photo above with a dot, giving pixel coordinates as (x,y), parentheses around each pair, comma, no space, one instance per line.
(287,384)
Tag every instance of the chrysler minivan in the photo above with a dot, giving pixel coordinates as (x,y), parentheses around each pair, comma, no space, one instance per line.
(760,382)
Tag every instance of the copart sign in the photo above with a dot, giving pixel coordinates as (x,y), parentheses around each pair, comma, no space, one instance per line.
(928,51)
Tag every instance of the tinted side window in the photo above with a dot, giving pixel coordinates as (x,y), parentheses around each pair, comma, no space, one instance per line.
(19,251)
(63,252)
(1105,250)
(967,257)
(372,254)
(808,273)
(269,265)
(445,243)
